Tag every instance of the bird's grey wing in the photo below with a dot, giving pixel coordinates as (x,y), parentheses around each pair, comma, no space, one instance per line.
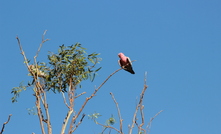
(119,63)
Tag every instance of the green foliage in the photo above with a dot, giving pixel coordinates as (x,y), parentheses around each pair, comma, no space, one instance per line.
(16,91)
(32,111)
(111,121)
(94,116)
(70,66)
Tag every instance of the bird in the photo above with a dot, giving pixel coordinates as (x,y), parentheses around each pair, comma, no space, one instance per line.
(125,63)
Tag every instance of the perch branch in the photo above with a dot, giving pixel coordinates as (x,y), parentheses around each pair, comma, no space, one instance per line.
(92,95)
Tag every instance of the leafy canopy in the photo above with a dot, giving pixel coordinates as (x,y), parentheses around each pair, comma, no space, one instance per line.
(68,68)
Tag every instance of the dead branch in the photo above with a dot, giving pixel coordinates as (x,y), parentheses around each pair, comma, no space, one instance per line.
(149,124)
(119,114)
(42,42)
(139,105)
(3,126)
(79,95)
(23,53)
(109,127)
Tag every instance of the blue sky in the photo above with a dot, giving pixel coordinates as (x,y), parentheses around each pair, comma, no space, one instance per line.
(178,42)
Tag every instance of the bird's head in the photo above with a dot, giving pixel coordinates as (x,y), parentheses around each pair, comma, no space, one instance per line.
(120,55)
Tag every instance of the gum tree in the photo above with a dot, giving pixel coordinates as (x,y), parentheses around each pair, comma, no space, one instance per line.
(63,74)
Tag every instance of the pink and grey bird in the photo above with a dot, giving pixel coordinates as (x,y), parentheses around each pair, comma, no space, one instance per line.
(125,63)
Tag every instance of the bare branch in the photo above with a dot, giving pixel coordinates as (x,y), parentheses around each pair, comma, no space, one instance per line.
(66,120)
(65,102)
(40,116)
(79,95)
(45,104)
(139,105)
(149,124)
(42,42)
(78,123)
(23,53)
(142,117)
(119,114)
(5,123)
(109,127)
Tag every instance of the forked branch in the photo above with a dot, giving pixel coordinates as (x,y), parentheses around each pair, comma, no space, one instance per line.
(149,124)
(139,106)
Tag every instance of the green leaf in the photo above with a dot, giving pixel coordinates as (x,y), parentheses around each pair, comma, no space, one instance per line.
(98,69)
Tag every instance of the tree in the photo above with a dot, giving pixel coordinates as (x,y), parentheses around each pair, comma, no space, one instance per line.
(63,74)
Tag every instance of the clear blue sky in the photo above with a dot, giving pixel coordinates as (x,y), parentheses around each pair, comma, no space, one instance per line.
(178,42)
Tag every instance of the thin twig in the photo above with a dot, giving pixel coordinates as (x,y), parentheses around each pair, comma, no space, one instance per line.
(79,95)
(103,130)
(39,49)
(142,117)
(42,42)
(139,104)
(65,102)
(78,123)
(109,127)
(5,123)
(23,53)
(119,114)
(149,124)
